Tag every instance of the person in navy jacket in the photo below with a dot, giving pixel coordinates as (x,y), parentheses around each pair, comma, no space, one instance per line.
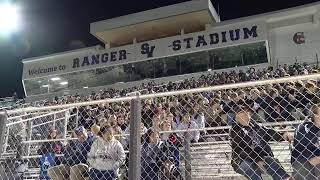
(251,152)
(305,156)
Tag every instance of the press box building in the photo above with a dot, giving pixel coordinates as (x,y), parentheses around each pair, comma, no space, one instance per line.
(172,43)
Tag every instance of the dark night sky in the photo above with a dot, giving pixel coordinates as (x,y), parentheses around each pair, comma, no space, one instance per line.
(49,26)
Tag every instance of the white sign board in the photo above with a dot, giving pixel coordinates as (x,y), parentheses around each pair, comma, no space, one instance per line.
(217,37)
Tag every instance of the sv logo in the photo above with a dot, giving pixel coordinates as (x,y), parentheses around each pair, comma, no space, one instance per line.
(147,49)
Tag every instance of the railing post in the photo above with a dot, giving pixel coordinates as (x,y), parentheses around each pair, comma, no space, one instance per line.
(54,121)
(65,126)
(135,140)
(77,117)
(187,155)
(6,139)
(29,136)
(3,123)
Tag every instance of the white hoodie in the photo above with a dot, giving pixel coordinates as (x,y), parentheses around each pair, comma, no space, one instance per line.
(195,135)
(106,155)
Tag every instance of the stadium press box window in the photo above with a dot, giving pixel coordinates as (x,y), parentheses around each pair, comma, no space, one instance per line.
(242,55)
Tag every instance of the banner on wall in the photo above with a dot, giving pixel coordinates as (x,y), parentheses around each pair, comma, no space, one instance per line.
(217,37)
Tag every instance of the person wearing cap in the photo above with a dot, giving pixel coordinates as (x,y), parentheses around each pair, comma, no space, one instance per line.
(106,156)
(74,165)
(251,152)
(305,156)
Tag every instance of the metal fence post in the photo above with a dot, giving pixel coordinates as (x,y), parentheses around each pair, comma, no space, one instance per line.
(3,123)
(29,136)
(77,117)
(135,140)
(187,155)
(54,121)
(65,126)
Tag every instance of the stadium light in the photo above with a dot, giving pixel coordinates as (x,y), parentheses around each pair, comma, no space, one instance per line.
(64,83)
(55,79)
(9,18)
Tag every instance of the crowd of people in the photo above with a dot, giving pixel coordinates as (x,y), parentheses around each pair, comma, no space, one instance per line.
(209,79)
(273,103)
(102,149)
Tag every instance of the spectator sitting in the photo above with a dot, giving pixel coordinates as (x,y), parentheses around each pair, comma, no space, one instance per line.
(106,156)
(48,152)
(173,141)
(187,124)
(305,157)
(75,158)
(228,106)
(121,122)
(150,156)
(95,130)
(125,140)
(51,146)
(215,117)
(156,155)
(156,123)
(200,120)
(251,153)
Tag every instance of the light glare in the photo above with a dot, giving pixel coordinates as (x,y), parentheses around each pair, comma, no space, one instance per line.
(64,83)
(55,79)
(9,18)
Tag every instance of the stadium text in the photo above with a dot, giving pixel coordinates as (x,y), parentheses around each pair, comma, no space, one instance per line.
(46,70)
(215,38)
(100,58)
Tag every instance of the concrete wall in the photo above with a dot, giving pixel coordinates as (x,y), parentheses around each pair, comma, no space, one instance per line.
(285,50)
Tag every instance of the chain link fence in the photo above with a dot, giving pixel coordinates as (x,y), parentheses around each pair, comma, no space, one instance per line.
(255,130)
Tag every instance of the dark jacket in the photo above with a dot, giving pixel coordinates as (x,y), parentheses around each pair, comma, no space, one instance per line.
(77,152)
(306,143)
(250,143)
(171,146)
(151,160)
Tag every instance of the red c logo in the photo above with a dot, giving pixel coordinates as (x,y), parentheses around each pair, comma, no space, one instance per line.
(298,38)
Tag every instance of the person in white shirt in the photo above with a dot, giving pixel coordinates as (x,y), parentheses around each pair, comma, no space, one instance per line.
(106,156)
(126,137)
(186,124)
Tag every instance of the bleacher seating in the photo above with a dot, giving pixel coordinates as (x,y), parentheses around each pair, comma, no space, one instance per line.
(210,161)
